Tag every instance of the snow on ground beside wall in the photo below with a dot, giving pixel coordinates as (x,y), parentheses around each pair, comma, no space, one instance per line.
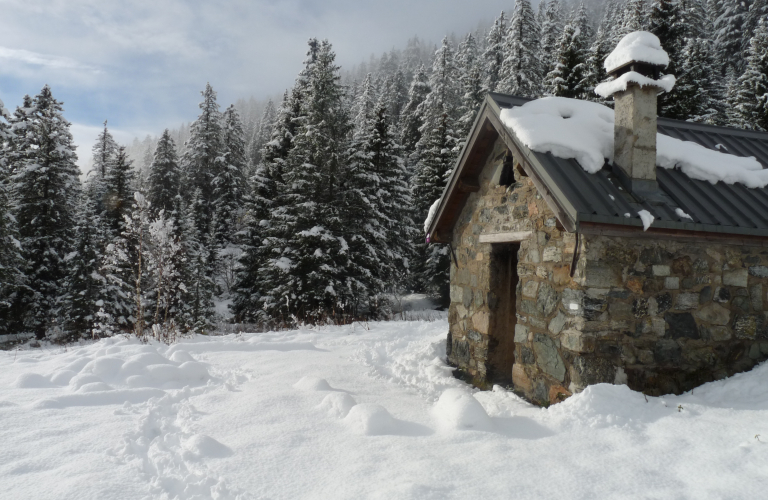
(361,411)
(570,128)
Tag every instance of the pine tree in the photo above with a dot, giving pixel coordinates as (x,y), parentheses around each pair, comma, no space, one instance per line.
(196,272)
(308,257)
(104,152)
(551,31)
(729,29)
(666,20)
(494,54)
(411,119)
(634,18)
(470,86)
(752,96)
(84,285)
(696,90)
(521,71)
(46,186)
(436,153)
(118,193)
(260,137)
(204,157)
(164,181)
(568,77)
(396,95)
(595,69)
(229,185)
(12,279)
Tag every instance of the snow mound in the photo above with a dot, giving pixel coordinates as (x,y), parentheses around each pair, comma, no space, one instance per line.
(32,381)
(337,404)
(607,89)
(639,46)
(457,409)
(582,130)
(202,446)
(313,384)
(370,420)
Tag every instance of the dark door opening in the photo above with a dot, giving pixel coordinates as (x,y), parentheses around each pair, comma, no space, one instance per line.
(503,318)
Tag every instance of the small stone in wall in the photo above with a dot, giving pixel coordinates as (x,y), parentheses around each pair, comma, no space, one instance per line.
(747,326)
(681,325)
(547,357)
(722,295)
(716,333)
(480,320)
(660,270)
(530,288)
(557,323)
(520,378)
(759,271)
(553,254)
(521,334)
(756,297)
(687,301)
(714,314)
(736,277)
(672,283)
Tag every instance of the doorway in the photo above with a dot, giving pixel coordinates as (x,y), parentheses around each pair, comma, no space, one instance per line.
(502,302)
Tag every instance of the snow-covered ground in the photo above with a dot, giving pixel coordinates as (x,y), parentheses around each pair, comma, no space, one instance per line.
(361,411)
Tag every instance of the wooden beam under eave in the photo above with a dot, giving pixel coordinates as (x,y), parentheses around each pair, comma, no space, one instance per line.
(511,237)
(468,185)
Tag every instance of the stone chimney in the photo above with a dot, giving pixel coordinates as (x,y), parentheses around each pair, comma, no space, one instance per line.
(635,66)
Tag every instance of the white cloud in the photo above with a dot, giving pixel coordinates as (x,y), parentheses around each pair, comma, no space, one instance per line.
(47,60)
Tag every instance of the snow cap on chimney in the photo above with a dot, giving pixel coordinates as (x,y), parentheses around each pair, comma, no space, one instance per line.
(635,65)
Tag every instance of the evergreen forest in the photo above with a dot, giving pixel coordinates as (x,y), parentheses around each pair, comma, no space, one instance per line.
(310,208)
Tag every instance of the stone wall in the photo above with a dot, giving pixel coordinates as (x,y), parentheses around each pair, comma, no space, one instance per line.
(661,316)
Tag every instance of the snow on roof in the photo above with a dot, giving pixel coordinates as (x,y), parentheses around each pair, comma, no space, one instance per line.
(583,130)
(638,46)
(607,89)
(431,214)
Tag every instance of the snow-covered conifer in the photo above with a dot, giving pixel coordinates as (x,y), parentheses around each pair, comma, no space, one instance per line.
(752,96)
(163,190)
(551,31)
(46,187)
(411,119)
(118,192)
(229,184)
(568,77)
(521,72)
(493,56)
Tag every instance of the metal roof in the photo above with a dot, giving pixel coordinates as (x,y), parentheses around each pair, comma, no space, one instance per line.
(715,208)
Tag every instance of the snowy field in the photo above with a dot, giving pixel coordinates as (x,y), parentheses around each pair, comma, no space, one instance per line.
(362,411)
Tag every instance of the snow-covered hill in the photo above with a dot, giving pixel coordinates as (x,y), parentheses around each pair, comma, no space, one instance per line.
(362,411)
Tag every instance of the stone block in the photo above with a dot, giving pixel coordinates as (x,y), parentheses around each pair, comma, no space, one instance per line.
(539,323)
(682,266)
(526,356)
(558,393)
(478,297)
(521,334)
(547,357)
(457,293)
(722,295)
(620,311)
(672,283)
(660,270)
(747,326)
(593,308)
(561,275)
(687,300)
(716,333)
(462,276)
(602,276)
(714,314)
(759,271)
(474,336)
(460,352)
(558,323)
(533,255)
(530,288)
(705,295)
(547,299)
(461,311)
(666,351)
(552,254)
(754,351)
(645,356)
(572,300)
(575,341)
(735,277)
(635,284)
(590,369)
(663,303)
(681,325)
(756,297)
(480,321)
(520,379)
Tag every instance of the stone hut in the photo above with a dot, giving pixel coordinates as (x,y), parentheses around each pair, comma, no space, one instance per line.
(557,279)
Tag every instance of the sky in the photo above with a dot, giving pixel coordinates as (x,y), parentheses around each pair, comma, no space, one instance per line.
(142,64)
